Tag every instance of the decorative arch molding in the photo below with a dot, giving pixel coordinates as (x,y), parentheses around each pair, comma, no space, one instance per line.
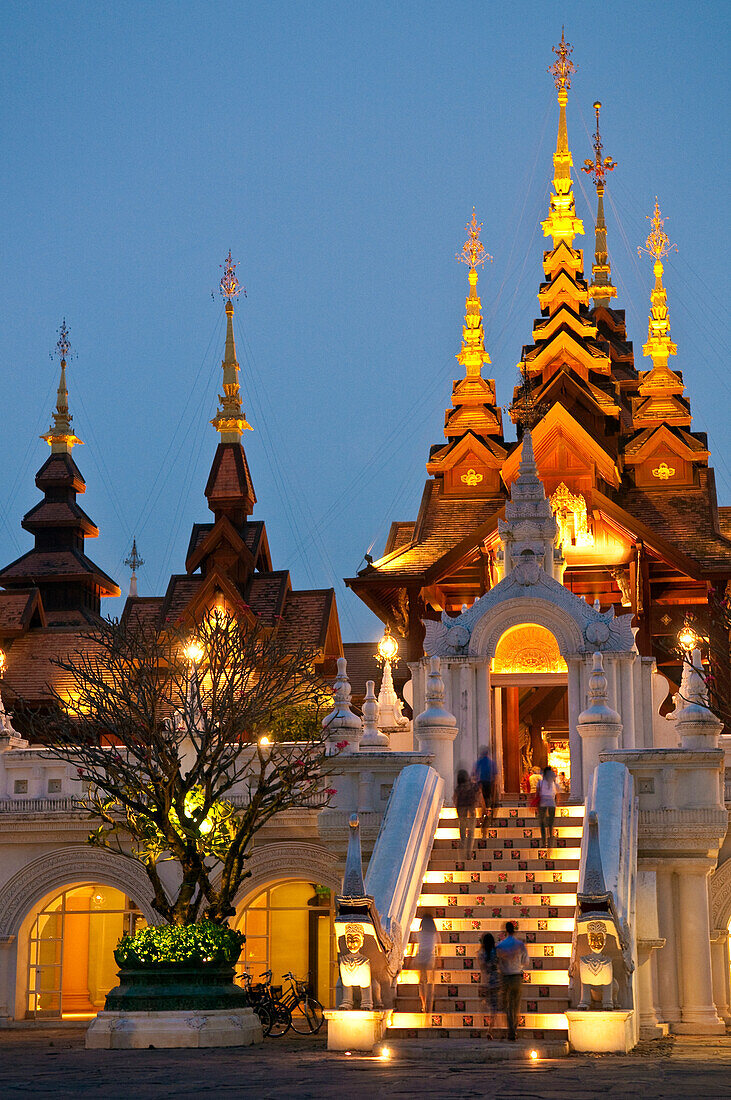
(489,629)
(290,860)
(65,867)
(529,595)
(720,885)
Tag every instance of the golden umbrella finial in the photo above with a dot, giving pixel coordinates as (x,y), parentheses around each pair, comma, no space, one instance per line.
(473,251)
(598,167)
(658,243)
(230,286)
(563,67)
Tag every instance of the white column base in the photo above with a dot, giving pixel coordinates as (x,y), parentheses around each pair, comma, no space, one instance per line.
(699,1022)
(221,1027)
(654,1031)
(355,1029)
(602,1032)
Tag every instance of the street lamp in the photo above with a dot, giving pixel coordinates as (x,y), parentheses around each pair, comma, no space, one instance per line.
(388,646)
(688,639)
(3,662)
(194,651)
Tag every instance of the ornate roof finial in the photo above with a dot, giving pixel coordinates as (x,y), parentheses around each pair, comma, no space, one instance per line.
(473,251)
(659,346)
(563,67)
(524,409)
(474,254)
(601,288)
(562,223)
(230,287)
(229,420)
(134,562)
(60,436)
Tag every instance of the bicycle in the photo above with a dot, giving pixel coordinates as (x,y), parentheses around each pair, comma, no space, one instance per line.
(306,1013)
(274,1015)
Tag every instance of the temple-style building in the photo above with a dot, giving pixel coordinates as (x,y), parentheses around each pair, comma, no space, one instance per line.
(52,594)
(228,562)
(552,602)
(628,479)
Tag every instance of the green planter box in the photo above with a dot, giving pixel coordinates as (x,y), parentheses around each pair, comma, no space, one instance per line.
(159,988)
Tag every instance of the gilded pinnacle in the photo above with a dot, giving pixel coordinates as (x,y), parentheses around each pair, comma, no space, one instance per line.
(473,251)
(598,167)
(659,346)
(229,420)
(60,436)
(562,225)
(658,243)
(563,67)
(601,288)
(473,354)
(230,287)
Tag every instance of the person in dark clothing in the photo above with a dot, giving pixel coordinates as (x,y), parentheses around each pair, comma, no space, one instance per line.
(512,957)
(465,800)
(486,775)
(488,963)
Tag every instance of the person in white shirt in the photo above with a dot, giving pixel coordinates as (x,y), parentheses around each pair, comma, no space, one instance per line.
(428,943)
(547,789)
(512,958)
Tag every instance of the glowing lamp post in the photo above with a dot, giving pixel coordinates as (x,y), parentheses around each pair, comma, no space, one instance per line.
(3,662)
(193,651)
(387,648)
(688,639)
(389,707)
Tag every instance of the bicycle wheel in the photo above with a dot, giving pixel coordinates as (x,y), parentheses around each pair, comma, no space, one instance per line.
(265,1018)
(307,1016)
(281,1019)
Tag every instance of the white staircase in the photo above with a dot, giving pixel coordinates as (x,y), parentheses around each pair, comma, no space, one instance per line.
(510,877)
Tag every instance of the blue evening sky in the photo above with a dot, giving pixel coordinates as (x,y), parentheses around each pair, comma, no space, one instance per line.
(337,149)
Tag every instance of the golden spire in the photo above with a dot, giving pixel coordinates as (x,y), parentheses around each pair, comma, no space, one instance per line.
(473,353)
(601,288)
(60,436)
(659,346)
(562,223)
(229,420)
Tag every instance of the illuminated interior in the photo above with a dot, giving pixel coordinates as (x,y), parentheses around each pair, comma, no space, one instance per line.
(71,943)
(528,648)
(289,926)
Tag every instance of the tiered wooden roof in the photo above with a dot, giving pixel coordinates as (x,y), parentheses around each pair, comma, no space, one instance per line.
(228,562)
(642,527)
(53,592)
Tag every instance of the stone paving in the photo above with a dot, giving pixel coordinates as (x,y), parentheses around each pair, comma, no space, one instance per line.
(52,1062)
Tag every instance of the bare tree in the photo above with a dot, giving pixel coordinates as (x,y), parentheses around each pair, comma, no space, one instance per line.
(169,732)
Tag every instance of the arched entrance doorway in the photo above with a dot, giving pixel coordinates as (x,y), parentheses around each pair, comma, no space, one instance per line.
(529,705)
(289,927)
(71,936)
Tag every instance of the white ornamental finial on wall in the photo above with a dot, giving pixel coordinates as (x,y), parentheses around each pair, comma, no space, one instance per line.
(372,736)
(435,728)
(342,726)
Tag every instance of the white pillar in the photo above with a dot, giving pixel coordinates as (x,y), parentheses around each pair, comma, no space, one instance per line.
(599,726)
(720,970)
(575,704)
(650,1026)
(667,960)
(435,728)
(698,1013)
